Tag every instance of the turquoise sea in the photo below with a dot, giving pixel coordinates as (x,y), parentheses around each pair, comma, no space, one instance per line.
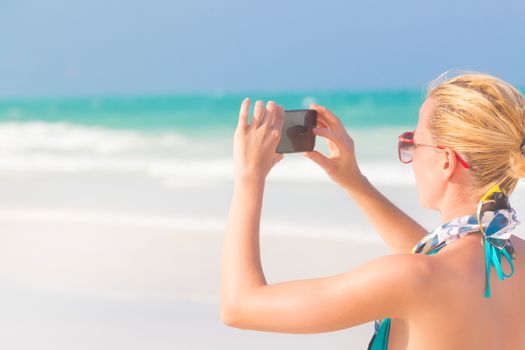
(193,114)
(186,140)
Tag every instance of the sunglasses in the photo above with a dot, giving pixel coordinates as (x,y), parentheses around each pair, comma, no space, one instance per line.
(406,147)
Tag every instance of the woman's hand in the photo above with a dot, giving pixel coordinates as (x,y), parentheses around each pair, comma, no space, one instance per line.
(341,166)
(254,144)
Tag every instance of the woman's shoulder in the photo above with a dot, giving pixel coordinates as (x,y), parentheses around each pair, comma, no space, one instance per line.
(414,269)
(463,263)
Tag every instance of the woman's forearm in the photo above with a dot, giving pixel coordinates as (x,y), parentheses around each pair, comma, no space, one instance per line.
(398,230)
(241,269)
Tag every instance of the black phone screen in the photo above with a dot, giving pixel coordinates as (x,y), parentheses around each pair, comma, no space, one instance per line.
(297,135)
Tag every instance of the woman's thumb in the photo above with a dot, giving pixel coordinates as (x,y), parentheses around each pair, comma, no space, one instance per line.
(317,157)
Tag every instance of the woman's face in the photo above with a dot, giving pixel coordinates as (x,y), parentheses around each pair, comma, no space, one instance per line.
(425,162)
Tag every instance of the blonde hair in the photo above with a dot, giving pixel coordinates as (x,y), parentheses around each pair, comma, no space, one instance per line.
(483,119)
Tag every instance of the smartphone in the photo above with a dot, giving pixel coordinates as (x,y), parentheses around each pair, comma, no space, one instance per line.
(296,134)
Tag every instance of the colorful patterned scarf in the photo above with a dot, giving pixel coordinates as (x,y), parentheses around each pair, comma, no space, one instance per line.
(495,219)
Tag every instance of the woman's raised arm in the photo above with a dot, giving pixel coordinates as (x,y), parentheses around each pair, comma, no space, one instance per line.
(398,230)
(385,287)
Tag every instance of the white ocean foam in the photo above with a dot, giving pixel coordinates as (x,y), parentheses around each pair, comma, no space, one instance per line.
(64,137)
(175,158)
(184,223)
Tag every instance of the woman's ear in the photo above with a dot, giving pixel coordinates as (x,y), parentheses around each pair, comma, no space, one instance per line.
(449,163)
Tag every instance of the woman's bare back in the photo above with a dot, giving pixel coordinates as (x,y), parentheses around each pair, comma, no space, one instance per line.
(454,313)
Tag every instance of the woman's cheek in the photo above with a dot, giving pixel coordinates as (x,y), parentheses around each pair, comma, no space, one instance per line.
(427,183)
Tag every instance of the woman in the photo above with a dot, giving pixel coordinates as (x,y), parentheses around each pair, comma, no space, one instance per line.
(445,289)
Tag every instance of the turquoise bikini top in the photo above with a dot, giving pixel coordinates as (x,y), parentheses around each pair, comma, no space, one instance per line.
(495,219)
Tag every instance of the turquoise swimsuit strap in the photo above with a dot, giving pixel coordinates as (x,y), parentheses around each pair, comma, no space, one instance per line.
(380,339)
(493,257)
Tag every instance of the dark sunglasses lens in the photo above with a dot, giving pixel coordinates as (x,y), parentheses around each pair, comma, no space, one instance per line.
(406,149)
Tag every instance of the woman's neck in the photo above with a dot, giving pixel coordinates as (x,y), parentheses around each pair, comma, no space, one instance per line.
(458,204)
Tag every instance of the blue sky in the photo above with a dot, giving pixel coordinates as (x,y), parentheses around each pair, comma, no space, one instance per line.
(64,47)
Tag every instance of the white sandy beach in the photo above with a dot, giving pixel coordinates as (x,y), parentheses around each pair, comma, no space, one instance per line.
(105,261)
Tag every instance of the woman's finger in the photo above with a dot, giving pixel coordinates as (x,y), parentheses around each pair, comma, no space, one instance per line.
(323,118)
(326,116)
(320,124)
(271,108)
(317,157)
(258,113)
(327,133)
(278,121)
(243,114)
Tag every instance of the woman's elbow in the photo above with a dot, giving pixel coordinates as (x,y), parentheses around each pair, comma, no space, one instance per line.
(229,315)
